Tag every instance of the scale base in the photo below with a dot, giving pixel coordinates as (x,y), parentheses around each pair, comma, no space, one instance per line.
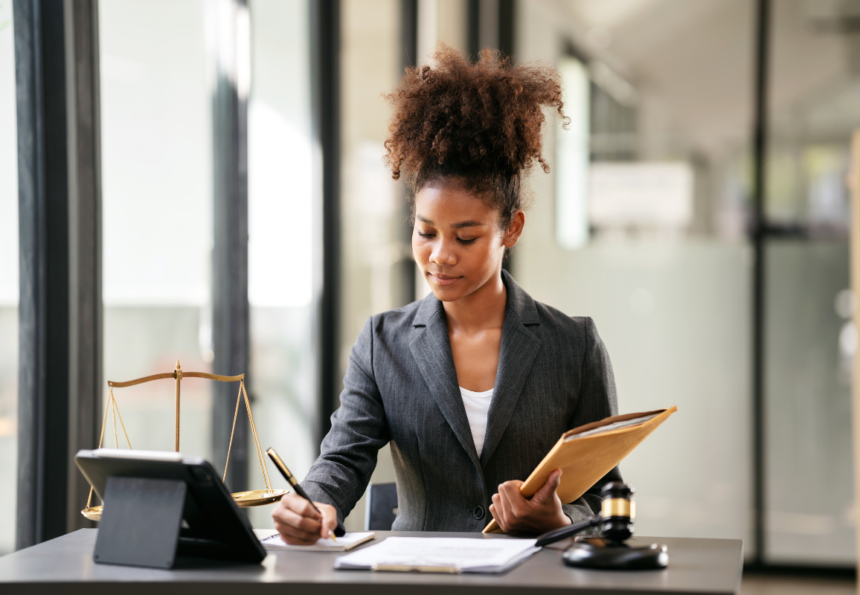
(601,554)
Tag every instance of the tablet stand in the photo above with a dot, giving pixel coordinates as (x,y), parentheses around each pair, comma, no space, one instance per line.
(141,522)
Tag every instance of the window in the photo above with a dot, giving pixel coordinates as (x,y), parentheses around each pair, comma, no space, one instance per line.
(8,284)
(157,215)
(572,151)
(280,255)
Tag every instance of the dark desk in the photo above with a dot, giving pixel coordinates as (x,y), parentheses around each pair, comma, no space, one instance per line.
(65,565)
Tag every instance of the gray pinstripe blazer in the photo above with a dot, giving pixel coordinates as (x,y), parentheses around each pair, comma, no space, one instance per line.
(401,387)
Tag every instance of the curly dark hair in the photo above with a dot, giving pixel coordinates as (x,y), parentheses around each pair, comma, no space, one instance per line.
(478,124)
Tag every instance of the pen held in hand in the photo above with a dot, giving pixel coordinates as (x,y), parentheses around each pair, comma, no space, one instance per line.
(298,489)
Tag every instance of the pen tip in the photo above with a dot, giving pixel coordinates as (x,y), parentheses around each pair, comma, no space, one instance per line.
(332,537)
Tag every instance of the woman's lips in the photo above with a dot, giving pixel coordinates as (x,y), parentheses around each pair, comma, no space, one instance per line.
(444,280)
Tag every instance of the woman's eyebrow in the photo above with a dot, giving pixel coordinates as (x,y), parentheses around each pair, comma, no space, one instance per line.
(458,225)
(463,224)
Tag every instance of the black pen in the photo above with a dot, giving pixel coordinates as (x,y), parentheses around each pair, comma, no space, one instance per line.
(339,530)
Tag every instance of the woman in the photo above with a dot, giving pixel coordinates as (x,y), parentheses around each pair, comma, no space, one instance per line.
(474,384)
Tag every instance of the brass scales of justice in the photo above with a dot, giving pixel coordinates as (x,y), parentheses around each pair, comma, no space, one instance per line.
(242,499)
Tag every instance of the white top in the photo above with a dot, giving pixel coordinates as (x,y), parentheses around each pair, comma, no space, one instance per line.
(477,407)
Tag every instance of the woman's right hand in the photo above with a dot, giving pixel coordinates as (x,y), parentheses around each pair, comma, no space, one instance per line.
(299,524)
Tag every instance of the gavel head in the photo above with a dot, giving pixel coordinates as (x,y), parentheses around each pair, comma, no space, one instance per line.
(617,511)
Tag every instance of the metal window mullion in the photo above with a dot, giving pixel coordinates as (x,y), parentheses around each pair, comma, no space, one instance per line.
(230,308)
(758,232)
(85,299)
(43,312)
(408,58)
(325,119)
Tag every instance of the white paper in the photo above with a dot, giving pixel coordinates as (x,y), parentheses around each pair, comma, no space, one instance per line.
(271,539)
(615,426)
(460,554)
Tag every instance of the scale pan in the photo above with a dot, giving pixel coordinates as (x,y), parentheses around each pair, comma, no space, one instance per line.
(257,497)
(93,513)
(242,499)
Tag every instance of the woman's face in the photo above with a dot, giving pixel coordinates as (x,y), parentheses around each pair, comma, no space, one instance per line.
(457,242)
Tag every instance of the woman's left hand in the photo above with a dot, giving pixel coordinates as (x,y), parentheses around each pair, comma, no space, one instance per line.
(539,514)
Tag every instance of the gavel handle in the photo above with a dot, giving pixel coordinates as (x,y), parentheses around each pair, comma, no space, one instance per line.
(565,532)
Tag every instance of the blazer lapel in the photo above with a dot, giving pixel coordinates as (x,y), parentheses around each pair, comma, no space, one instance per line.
(518,352)
(431,349)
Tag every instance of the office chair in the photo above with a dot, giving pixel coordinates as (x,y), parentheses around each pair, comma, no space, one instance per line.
(381,507)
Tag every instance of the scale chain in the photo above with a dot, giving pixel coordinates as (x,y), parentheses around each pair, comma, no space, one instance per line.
(257,447)
(113,407)
(230,446)
(115,437)
(122,423)
(257,440)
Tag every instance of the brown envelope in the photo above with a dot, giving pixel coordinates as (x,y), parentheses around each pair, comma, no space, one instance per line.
(585,460)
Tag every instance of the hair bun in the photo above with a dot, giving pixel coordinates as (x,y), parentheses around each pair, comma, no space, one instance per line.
(457,118)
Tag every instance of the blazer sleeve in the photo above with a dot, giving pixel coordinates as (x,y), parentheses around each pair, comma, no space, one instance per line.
(597,400)
(358,430)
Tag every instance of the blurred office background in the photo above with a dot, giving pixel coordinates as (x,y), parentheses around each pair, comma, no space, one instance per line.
(243,221)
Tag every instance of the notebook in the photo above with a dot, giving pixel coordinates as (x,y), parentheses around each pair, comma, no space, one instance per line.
(587,453)
(271,540)
(440,554)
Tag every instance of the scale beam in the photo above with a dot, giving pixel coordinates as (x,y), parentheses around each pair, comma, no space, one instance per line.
(167,375)
(242,499)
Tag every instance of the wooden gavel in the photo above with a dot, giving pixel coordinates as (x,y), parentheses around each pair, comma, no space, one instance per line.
(617,511)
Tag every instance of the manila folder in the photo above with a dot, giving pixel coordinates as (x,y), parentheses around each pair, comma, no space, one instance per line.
(583,461)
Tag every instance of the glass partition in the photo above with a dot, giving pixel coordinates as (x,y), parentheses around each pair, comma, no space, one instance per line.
(8,285)
(809,337)
(375,234)
(372,222)
(661,262)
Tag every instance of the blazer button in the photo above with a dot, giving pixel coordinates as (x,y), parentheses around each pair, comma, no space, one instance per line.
(478,512)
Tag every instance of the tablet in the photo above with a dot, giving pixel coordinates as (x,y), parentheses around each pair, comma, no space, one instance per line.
(212,525)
